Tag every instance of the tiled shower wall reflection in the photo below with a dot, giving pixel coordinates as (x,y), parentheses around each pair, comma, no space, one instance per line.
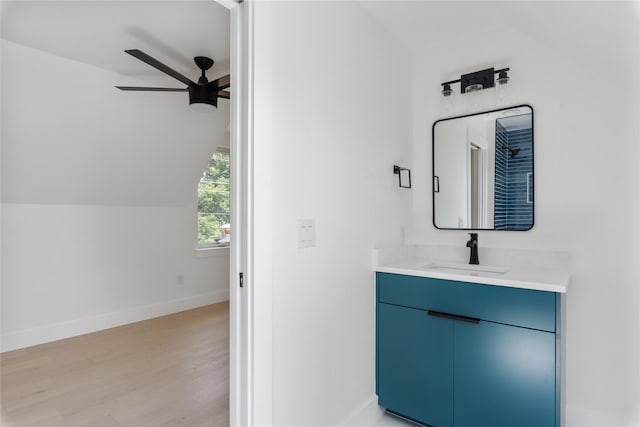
(514,179)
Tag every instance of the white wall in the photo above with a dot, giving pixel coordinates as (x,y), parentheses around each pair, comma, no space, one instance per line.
(587,183)
(587,187)
(453,201)
(98,200)
(452,170)
(341,118)
(69,269)
(70,137)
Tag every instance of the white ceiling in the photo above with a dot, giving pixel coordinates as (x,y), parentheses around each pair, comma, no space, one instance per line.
(601,36)
(522,121)
(114,148)
(84,142)
(98,32)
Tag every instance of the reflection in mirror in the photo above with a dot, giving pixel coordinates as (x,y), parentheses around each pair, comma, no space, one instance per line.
(483,170)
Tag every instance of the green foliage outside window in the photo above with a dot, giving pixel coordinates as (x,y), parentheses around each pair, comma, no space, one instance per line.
(214,201)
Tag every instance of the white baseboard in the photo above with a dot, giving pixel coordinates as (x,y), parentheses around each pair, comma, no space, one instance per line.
(57,331)
(365,415)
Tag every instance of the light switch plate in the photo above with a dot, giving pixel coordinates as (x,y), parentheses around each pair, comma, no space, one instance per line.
(306,233)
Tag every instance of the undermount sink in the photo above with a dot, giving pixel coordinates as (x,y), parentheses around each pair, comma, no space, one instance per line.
(547,271)
(471,269)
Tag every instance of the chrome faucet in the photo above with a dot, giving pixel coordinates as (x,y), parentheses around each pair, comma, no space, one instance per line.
(473,244)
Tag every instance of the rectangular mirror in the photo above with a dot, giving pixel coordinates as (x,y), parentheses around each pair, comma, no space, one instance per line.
(483,170)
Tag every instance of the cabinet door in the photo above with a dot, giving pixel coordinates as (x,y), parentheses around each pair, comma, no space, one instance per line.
(504,376)
(415,364)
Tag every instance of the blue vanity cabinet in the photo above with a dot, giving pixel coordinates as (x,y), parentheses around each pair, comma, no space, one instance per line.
(416,353)
(504,376)
(457,354)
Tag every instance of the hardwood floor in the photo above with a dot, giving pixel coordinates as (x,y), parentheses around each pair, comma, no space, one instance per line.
(168,371)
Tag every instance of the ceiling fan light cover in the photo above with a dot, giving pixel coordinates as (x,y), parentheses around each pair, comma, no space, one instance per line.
(203,97)
(202,107)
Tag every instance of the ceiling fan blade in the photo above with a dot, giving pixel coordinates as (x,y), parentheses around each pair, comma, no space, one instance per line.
(159,65)
(224,94)
(223,82)
(151,89)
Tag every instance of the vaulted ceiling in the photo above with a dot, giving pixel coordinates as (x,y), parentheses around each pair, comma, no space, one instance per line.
(70,137)
(579,30)
(97,32)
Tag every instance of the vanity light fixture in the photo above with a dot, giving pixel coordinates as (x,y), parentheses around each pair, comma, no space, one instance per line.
(404,176)
(476,81)
(503,78)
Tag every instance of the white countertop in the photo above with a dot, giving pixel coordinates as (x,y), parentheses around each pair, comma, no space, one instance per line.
(537,270)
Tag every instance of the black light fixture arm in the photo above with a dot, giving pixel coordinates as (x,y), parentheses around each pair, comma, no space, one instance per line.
(450,82)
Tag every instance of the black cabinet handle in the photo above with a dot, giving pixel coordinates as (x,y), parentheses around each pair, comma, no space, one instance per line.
(453,317)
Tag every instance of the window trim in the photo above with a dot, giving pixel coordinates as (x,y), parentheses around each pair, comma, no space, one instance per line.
(212,251)
(213,248)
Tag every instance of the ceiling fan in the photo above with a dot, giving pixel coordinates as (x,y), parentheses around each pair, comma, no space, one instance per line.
(203,95)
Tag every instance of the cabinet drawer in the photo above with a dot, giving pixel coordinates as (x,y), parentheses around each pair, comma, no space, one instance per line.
(511,306)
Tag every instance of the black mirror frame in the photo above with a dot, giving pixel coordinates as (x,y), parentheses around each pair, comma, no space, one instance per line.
(434,176)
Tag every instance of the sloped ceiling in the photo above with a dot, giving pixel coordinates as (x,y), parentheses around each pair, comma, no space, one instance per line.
(97,32)
(600,36)
(70,137)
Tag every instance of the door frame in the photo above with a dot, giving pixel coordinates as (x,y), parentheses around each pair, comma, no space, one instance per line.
(240,360)
(251,312)
(476,141)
